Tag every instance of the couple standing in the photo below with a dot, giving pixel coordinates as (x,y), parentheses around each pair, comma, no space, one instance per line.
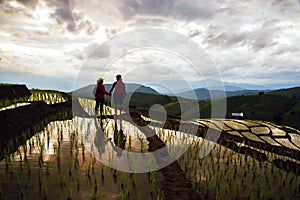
(118,96)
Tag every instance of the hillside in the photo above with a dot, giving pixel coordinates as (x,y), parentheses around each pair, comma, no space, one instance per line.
(269,107)
(87,91)
(289,92)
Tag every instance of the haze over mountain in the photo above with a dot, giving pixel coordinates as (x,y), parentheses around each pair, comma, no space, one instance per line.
(204,94)
(178,87)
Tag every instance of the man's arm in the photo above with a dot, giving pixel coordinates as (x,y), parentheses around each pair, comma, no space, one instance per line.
(112,87)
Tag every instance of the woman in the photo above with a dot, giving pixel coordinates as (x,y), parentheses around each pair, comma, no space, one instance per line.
(99,92)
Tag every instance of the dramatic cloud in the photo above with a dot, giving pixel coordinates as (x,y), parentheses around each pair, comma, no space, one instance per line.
(73,21)
(249,41)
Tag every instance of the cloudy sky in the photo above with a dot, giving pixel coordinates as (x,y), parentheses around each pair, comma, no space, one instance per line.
(62,44)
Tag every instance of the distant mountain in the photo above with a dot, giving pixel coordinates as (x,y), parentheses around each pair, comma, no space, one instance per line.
(172,87)
(87,91)
(204,94)
(228,86)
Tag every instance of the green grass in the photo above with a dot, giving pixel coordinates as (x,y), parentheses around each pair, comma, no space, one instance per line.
(290,92)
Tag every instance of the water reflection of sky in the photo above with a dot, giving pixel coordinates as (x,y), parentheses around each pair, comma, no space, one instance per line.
(100,143)
(46,140)
(14,106)
(98,139)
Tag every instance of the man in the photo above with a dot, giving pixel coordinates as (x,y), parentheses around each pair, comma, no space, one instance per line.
(119,93)
(99,92)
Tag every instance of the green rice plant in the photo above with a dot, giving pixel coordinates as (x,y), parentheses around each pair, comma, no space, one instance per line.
(141,139)
(21,166)
(47,168)
(160,195)
(93,164)
(70,169)
(133,179)
(76,161)
(28,168)
(58,158)
(44,190)
(140,195)
(129,143)
(114,173)
(123,180)
(78,180)
(40,156)
(20,187)
(94,195)
(95,183)
(88,169)
(102,172)
(25,151)
(152,181)
(7,162)
(2,195)
(70,193)
(39,172)
(82,150)
(62,180)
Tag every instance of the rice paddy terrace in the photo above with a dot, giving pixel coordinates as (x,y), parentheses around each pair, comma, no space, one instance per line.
(55,154)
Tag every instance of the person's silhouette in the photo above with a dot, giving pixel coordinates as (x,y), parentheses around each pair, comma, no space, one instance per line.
(119,94)
(99,92)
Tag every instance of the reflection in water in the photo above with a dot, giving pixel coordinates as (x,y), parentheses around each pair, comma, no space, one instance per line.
(100,139)
(119,136)
(14,106)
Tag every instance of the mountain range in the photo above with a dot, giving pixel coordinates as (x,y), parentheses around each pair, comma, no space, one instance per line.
(179,86)
(198,93)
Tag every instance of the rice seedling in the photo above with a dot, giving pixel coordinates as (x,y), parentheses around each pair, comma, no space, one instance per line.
(2,195)
(78,180)
(20,186)
(62,180)
(88,169)
(140,195)
(102,172)
(141,139)
(82,150)
(70,193)
(95,184)
(70,169)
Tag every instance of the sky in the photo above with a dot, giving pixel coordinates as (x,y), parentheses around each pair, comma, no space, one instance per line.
(67,44)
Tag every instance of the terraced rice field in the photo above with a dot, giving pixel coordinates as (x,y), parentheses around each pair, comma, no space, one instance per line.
(84,158)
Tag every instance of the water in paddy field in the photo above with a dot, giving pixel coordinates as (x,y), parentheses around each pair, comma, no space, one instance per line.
(56,163)
(78,158)
(14,106)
